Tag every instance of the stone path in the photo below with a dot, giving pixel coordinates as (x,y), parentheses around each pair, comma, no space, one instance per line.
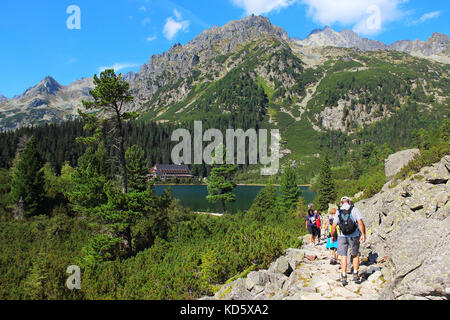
(304,274)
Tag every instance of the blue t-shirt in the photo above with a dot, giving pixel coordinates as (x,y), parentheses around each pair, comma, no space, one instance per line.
(356,216)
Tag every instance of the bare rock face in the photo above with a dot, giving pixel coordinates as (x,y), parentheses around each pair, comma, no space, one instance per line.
(48,101)
(410,225)
(437,47)
(437,44)
(397,161)
(344,39)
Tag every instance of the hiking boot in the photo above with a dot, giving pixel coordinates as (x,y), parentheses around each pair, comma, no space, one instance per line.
(356,277)
(344,280)
(333,262)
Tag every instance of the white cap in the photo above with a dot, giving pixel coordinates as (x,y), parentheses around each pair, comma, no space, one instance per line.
(345,198)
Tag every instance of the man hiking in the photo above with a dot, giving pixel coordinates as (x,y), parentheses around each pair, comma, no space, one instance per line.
(352,232)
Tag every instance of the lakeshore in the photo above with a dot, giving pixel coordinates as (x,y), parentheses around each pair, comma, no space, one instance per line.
(194,196)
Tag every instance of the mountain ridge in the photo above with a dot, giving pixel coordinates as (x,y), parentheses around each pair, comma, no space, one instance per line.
(170,77)
(436,44)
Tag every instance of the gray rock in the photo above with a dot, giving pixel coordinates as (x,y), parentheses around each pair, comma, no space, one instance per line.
(372,269)
(413,233)
(277,280)
(442,199)
(281,266)
(254,279)
(295,258)
(236,290)
(440,173)
(437,45)
(397,161)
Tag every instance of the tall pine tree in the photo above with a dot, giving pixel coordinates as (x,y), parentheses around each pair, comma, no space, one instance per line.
(289,191)
(326,186)
(111,96)
(27,186)
(355,163)
(221,184)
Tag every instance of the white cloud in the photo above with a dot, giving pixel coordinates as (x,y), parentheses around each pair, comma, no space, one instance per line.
(367,17)
(173,26)
(430,15)
(152,38)
(427,16)
(143,9)
(258,7)
(119,66)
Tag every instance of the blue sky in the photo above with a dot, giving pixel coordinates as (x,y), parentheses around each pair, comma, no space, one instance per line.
(35,40)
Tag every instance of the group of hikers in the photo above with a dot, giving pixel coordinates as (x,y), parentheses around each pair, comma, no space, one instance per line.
(344,230)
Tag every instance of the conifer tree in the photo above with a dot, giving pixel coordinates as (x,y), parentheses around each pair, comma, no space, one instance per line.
(137,169)
(289,191)
(111,95)
(355,163)
(221,184)
(86,182)
(27,184)
(264,204)
(326,187)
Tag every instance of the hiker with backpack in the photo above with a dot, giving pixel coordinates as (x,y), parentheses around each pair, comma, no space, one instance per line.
(332,245)
(352,232)
(318,225)
(311,226)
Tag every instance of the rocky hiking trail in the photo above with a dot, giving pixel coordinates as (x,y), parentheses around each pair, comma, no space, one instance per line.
(406,255)
(305,274)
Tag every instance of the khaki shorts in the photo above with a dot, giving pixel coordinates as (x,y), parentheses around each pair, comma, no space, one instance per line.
(348,243)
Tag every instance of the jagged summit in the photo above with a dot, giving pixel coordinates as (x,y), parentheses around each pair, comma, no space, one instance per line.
(328,37)
(207,46)
(437,44)
(47,86)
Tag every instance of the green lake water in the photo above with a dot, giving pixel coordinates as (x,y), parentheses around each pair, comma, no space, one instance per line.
(194,197)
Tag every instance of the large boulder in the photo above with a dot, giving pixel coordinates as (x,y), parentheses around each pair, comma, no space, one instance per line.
(281,266)
(395,163)
(409,225)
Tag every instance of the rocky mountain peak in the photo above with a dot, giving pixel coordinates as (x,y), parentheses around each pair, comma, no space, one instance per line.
(328,37)
(440,42)
(3,98)
(249,28)
(48,86)
(180,60)
(439,36)
(437,44)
